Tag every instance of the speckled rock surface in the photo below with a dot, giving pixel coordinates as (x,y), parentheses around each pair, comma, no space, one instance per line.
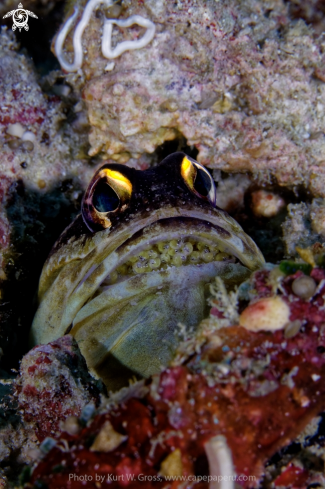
(53,384)
(304,225)
(242,83)
(18,443)
(38,119)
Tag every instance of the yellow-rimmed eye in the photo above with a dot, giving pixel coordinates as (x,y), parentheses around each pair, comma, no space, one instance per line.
(198,180)
(117,184)
(108,193)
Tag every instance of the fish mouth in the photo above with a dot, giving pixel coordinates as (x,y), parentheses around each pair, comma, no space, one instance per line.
(163,271)
(166,252)
(174,242)
(174,253)
(167,249)
(125,297)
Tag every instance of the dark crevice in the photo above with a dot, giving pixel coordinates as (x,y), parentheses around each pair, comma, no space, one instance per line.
(36,220)
(169,147)
(267,232)
(319,436)
(36,42)
(312,12)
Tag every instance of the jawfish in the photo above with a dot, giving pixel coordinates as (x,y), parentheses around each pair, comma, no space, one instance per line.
(135,263)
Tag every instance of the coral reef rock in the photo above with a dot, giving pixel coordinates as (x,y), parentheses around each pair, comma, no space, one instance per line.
(34,147)
(18,443)
(239,80)
(231,399)
(304,225)
(53,385)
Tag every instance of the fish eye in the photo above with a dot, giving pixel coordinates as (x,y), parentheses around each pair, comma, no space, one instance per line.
(105,199)
(202,182)
(198,180)
(108,193)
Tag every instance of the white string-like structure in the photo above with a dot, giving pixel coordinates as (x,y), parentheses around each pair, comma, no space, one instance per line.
(220,463)
(107,50)
(110,53)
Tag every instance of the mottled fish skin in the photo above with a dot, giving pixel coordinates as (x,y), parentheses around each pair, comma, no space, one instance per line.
(72,298)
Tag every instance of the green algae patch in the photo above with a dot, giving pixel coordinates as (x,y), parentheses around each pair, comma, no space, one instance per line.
(290,267)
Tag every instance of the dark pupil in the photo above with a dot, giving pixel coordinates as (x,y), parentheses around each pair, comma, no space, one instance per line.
(104,198)
(202,183)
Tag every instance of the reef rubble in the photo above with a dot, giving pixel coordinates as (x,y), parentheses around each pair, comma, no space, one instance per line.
(232,398)
(54,383)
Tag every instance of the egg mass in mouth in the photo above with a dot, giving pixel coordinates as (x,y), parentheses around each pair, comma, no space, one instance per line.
(136,264)
(165,254)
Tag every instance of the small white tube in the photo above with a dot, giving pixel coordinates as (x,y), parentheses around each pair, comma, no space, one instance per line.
(110,53)
(77,45)
(107,50)
(220,463)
